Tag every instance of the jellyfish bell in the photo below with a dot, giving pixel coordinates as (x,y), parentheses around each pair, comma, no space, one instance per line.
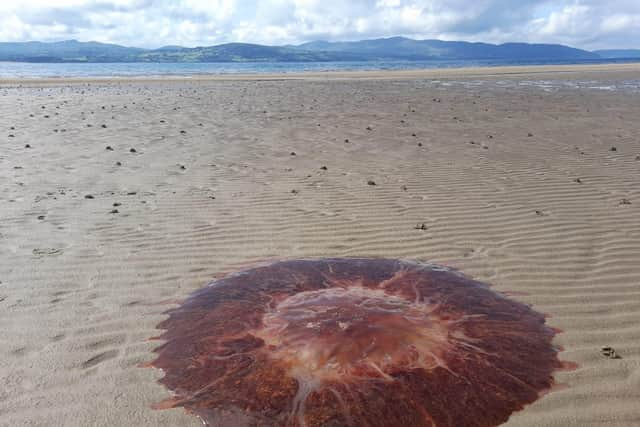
(354,342)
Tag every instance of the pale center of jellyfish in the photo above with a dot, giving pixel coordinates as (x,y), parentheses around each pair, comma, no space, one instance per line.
(336,334)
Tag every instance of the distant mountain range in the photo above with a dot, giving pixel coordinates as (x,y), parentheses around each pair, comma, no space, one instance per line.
(394,48)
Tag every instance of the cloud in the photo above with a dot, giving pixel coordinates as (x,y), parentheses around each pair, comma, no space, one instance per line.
(152,23)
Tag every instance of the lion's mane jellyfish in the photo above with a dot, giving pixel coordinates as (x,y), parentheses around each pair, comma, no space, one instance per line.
(353,342)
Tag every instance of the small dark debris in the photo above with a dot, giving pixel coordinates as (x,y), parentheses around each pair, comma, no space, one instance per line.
(40,217)
(114,211)
(183,167)
(419,144)
(577,181)
(183,132)
(11,135)
(89,196)
(293,153)
(133,150)
(404,188)
(27,146)
(294,191)
(109,148)
(625,202)
(613,149)
(539,213)
(118,163)
(324,168)
(346,141)
(103,126)
(116,204)
(609,352)
(422,226)
(529,134)
(370,182)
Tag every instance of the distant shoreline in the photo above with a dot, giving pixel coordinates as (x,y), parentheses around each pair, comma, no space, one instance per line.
(631,70)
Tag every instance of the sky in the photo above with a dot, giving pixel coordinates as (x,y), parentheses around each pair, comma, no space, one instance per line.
(587,24)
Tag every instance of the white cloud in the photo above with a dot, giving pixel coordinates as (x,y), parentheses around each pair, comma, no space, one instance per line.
(151,23)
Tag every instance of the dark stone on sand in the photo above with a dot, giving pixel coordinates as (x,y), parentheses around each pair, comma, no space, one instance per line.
(324,168)
(89,196)
(118,163)
(11,135)
(346,141)
(114,211)
(132,150)
(529,134)
(27,146)
(294,191)
(404,188)
(370,182)
(103,126)
(625,202)
(183,167)
(116,204)
(539,213)
(183,131)
(613,149)
(609,352)
(108,148)
(419,144)
(578,181)
(293,153)
(40,217)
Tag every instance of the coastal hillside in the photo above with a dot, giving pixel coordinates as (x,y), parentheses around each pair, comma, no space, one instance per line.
(395,48)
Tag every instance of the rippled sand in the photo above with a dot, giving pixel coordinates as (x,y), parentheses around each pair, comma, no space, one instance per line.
(531,188)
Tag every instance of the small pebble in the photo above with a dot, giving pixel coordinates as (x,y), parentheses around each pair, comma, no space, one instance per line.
(27,146)
(421,227)
(609,352)
(41,217)
(133,150)
(109,148)
(370,182)
(103,126)
(89,196)
(114,211)
(613,149)
(324,168)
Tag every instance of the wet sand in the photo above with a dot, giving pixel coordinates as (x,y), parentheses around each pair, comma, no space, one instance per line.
(120,197)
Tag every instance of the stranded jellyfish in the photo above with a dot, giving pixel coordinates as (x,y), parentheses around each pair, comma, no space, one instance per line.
(354,342)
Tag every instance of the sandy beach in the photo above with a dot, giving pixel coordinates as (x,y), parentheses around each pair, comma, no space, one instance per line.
(118,198)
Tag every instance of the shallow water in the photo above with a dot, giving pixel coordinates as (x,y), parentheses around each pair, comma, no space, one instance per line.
(41,70)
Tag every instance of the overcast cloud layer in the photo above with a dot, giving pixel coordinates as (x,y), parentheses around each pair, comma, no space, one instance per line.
(589,24)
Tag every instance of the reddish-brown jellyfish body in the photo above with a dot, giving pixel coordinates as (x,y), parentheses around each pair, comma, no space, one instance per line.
(354,342)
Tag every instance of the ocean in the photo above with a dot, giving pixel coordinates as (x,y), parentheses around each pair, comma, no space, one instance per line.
(44,70)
